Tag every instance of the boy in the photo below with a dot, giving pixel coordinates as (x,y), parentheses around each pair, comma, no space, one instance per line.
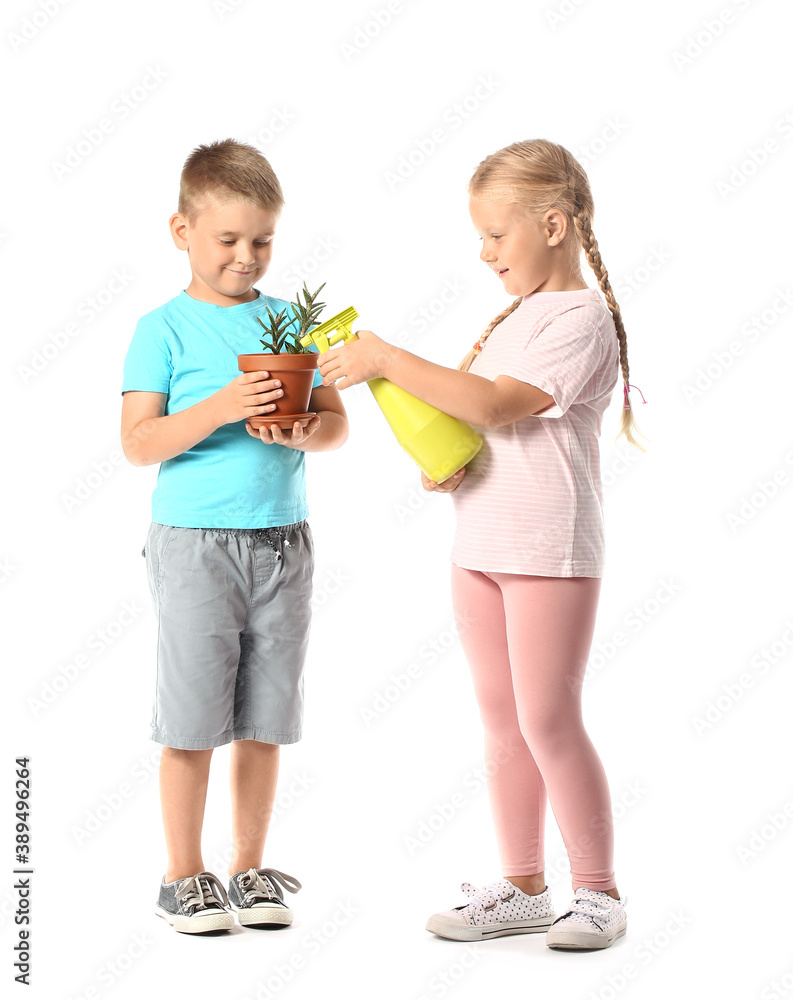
(229,552)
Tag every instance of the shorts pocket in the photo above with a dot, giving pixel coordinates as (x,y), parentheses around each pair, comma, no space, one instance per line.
(154,549)
(308,536)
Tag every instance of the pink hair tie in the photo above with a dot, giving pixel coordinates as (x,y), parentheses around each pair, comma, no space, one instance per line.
(477,348)
(625,390)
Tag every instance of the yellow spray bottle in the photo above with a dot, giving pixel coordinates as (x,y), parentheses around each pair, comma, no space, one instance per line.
(439,444)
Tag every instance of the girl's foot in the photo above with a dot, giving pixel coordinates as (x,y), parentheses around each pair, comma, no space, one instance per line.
(594,920)
(494,910)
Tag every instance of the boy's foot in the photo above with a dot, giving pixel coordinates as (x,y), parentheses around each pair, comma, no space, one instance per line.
(195,905)
(496,909)
(594,920)
(258,898)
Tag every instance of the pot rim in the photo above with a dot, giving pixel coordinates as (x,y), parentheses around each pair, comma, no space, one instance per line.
(306,360)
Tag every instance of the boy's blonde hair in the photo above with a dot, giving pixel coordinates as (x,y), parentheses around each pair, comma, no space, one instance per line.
(227,169)
(539,175)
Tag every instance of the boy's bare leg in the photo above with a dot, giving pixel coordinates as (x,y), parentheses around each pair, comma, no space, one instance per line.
(184,776)
(254,774)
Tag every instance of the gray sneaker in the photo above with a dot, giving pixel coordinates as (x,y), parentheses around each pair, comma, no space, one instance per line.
(258,898)
(195,905)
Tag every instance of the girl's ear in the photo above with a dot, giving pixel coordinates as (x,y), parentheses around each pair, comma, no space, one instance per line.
(555,226)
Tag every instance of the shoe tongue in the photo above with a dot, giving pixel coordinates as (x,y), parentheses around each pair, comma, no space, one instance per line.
(499,888)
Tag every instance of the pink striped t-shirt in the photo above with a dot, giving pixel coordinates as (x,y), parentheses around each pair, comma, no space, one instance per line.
(531,500)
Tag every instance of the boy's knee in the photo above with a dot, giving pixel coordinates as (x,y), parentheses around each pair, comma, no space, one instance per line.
(254,746)
(177,753)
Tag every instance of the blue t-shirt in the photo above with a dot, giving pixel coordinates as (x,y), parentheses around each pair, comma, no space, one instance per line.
(189,349)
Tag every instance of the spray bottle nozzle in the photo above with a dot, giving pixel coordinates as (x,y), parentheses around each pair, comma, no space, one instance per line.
(339,327)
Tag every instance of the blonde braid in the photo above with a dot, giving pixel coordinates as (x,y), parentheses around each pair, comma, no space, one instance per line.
(468,360)
(539,176)
(586,238)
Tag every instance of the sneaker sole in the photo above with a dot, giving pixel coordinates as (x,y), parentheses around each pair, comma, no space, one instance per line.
(196,925)
(260,917)
(465,932)
(581,941)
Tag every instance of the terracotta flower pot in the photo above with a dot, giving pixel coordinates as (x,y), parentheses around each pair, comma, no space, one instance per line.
(296,374)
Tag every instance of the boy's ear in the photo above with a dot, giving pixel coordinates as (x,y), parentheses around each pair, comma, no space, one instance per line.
(179,227)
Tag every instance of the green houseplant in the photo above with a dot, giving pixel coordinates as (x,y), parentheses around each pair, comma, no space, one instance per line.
(285,358)
(276,330)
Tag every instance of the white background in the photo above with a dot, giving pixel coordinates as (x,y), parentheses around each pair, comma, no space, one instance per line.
(663,105)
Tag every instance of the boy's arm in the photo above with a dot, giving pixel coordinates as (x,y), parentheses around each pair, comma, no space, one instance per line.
(334,426)
(148,437)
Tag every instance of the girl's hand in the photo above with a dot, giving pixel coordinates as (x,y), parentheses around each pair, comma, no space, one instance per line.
(356,361)
(293,437)
(447,486)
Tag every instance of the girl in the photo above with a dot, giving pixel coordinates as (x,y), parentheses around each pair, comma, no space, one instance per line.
(527,556)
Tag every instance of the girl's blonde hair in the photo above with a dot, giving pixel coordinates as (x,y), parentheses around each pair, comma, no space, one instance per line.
(539,175)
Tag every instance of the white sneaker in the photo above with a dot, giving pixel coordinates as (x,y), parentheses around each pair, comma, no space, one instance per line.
(594,920)
(494,910)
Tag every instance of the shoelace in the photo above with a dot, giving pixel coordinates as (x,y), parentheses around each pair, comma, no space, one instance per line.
(265,884)
(488,896)
(198,892)
(591,908)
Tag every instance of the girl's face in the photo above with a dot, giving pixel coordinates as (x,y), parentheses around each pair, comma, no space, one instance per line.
(525,254)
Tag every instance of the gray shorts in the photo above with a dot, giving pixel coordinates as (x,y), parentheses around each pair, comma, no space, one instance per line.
(233,612)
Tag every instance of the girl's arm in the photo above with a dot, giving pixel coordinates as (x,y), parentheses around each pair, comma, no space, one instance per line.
(469,397)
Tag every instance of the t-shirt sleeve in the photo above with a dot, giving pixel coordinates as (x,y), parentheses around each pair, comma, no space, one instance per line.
(561,360)
(148,365)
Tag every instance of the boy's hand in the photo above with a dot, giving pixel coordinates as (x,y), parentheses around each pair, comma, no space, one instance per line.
(251,394)
(447,486)
(292,437)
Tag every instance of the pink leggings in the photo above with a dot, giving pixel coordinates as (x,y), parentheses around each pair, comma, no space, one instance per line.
(527,639)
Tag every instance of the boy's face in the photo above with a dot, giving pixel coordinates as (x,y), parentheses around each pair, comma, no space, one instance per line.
(229,246)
